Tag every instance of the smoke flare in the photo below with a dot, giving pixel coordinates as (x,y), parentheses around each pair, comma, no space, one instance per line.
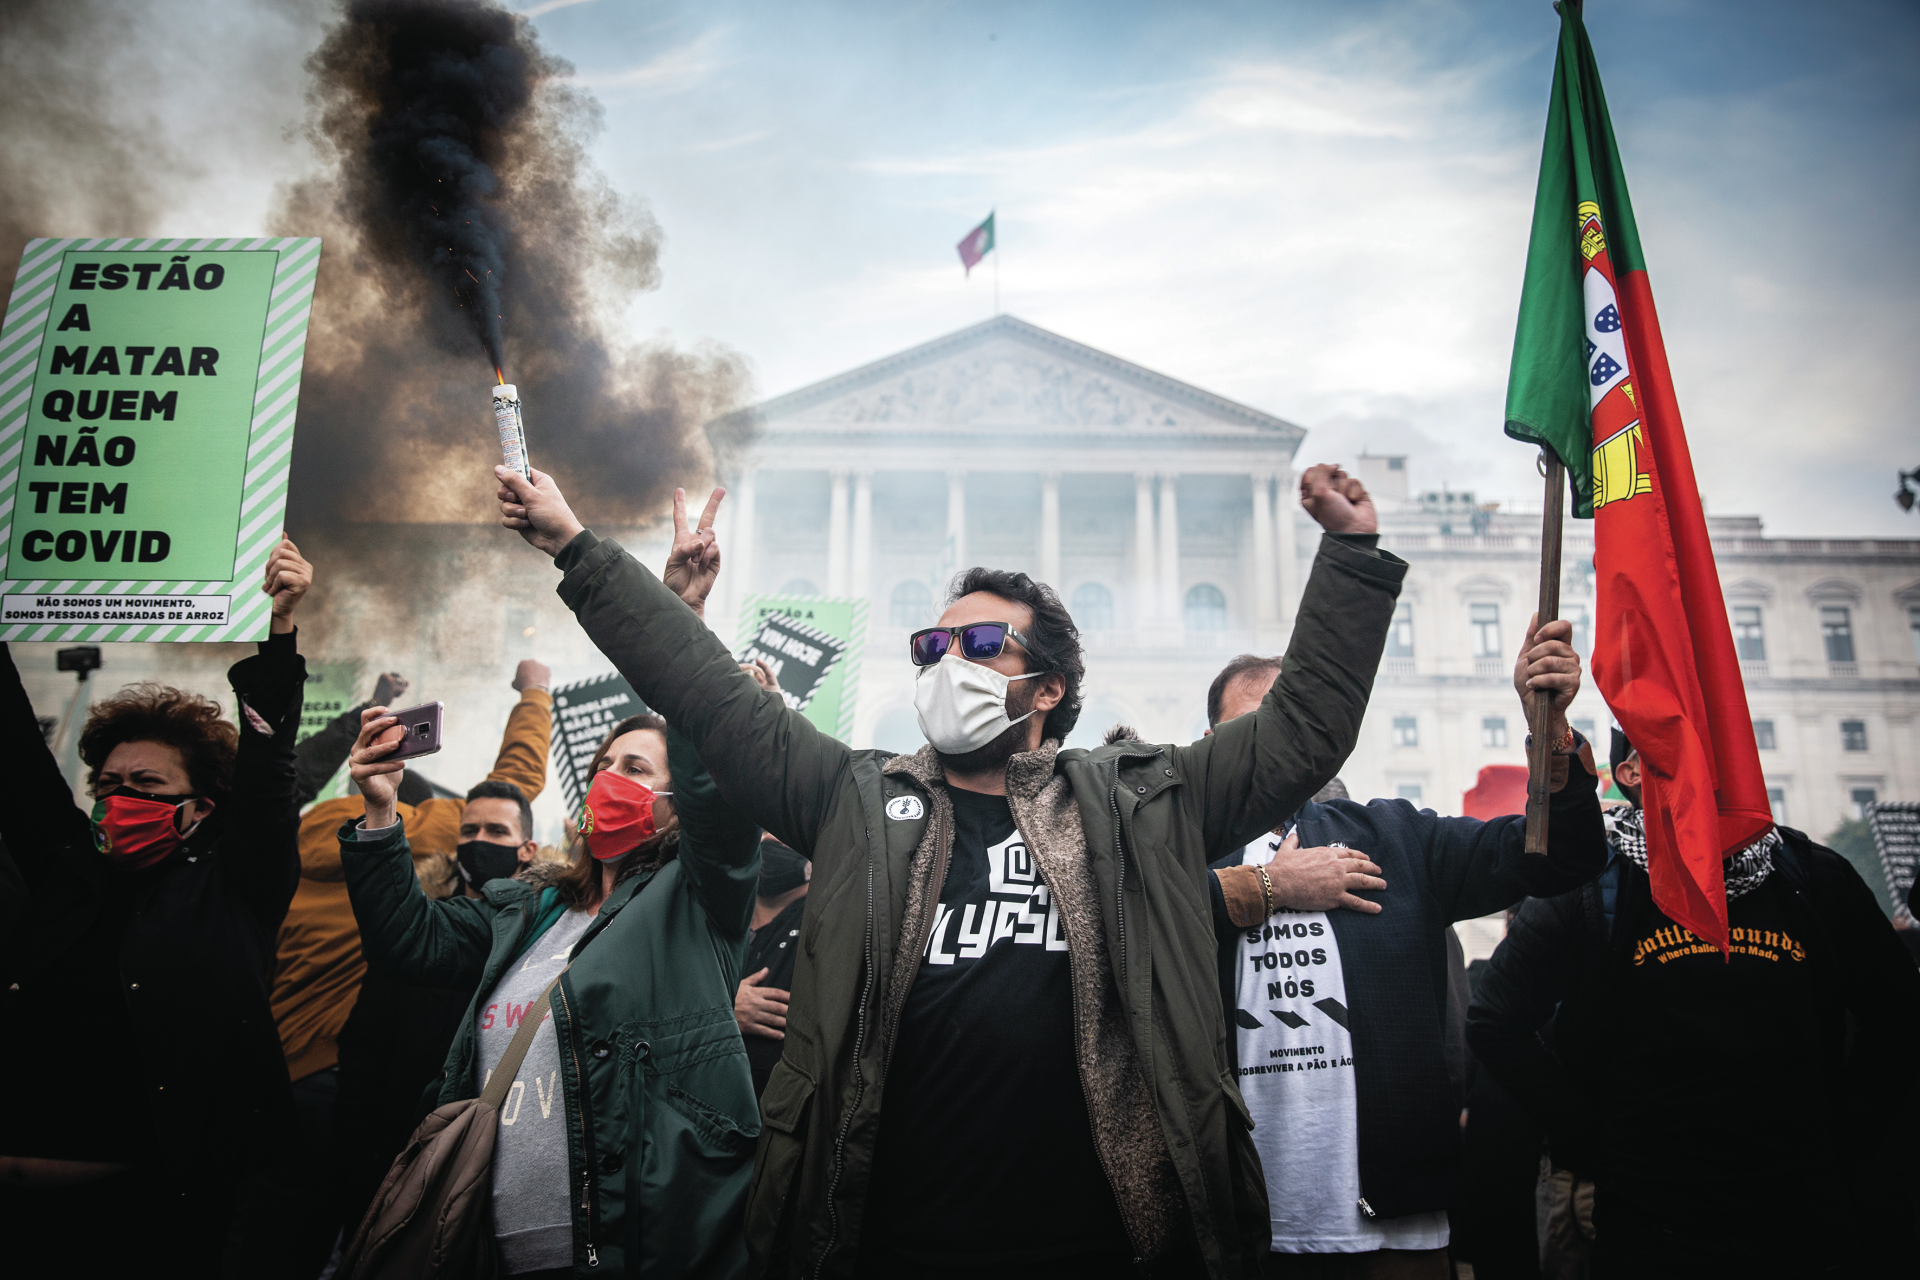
(459,203)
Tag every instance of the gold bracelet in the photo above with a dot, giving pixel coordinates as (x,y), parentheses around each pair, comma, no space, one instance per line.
(1266,891)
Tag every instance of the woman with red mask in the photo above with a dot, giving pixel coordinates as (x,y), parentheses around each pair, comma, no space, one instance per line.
(142,1067)
(626,1140)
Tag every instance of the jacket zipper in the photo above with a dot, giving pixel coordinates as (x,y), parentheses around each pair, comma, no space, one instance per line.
(1120,889)
(586,1127)
(859,1085)
(1079,1062)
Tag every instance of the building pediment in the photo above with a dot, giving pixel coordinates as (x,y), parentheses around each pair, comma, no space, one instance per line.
(1008,377)
(1748,589)
(1836,590)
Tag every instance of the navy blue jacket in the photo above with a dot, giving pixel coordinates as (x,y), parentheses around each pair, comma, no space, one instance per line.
(1438,870)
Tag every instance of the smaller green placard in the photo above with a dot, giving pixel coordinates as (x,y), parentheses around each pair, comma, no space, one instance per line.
(813,645)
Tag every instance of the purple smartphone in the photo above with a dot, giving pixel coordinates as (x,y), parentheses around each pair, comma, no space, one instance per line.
(422,728)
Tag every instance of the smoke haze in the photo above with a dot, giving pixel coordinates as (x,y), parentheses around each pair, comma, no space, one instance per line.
(410,99)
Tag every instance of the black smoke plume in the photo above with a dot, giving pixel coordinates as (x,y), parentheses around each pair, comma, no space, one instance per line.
(450,86)
(458,202)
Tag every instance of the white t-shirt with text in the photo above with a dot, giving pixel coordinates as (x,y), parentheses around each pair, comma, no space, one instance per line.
(1296,1073)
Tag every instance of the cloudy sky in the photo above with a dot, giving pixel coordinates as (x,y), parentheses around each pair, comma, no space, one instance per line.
(1317,209)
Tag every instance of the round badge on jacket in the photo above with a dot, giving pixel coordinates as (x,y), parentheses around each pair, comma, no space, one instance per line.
(905,808)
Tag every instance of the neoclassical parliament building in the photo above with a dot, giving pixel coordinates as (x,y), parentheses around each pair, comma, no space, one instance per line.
(1167,519)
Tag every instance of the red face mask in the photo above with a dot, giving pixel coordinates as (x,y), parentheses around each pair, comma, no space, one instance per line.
(618,815)
(136,830)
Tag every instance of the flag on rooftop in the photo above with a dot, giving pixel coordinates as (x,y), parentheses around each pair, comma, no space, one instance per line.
(1590,382)
(977,244)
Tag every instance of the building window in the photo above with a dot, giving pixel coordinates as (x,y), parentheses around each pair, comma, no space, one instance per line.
(1777,801)
(1493,731)
(1400,634)
(1408,791)
(1486,629)
(1836,629)
(1749,636)
(1763,735)
(1406,731)
(1913,626)
(1862,799)
(1582,630)
(1584,727)
(1092,607)
(1853,735)
(799,587)
(911,606)
(1206,609)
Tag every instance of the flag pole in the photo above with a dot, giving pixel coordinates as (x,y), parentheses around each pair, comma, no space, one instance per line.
(1539,746)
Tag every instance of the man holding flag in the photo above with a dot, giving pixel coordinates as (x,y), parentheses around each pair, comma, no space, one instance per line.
(1730,1013)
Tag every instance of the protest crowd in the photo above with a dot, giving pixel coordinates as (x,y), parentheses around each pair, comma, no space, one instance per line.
(992,1008)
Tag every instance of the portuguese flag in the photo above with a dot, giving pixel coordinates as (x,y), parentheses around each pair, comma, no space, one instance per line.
(1590,382)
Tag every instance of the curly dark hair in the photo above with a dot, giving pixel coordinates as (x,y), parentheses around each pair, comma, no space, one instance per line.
(579,884)
(191,724)
(1053,642)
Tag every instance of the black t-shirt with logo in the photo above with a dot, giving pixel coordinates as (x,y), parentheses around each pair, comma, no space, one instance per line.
(985,1159)
(1722,1070)
(773,947)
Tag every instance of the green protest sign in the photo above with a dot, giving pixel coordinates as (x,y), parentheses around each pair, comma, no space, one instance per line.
(330,689)
(813,646)
(147,397)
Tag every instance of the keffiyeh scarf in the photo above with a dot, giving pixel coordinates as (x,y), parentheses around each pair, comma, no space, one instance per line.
(1745,871)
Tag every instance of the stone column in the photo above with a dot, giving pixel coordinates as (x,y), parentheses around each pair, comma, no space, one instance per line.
(956,522)
(1170,613)
(1286,511)
(1264,616)
(1050,530)
(1145,583)
(837,536)
(860,568)
(737,535)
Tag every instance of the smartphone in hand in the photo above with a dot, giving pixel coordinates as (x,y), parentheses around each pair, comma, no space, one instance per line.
(421,729)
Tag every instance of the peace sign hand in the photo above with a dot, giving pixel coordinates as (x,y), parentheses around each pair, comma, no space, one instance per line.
(694,561)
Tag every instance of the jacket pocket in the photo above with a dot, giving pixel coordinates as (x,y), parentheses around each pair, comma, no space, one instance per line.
(786,1111)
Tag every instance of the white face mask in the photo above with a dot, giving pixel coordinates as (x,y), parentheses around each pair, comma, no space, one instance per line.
(963,705)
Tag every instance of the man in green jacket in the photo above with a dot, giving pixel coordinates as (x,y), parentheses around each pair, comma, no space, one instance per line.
(930,873)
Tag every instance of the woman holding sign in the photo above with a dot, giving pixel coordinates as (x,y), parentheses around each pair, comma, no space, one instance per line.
(626,1137)
(142,1068)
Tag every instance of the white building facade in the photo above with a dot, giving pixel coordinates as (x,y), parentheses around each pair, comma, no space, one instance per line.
(1167,519)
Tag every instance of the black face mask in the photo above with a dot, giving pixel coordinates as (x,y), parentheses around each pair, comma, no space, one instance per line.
(781,869)
(483,860)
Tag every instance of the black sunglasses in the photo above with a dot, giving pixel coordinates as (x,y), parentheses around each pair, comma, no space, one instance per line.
(979,641)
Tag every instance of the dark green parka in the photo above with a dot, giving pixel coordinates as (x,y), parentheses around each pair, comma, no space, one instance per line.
(661,1117)
(1137,830)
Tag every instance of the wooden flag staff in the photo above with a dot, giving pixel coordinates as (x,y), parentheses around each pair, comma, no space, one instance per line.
(1539,704)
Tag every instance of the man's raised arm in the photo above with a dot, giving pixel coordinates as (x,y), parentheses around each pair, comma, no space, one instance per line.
(1257,769)
(765,758)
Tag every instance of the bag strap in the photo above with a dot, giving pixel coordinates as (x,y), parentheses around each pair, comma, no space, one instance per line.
(509,1066)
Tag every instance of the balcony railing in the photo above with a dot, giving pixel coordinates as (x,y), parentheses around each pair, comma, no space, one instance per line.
(1843,670)
(1489,666)
(1396,666)
(1753,668)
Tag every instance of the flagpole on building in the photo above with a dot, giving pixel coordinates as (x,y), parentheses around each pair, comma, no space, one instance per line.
(1539,704)
(996,273)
